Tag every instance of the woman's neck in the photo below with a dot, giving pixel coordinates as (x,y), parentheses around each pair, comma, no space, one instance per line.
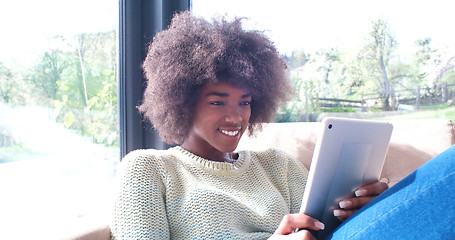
(211,153)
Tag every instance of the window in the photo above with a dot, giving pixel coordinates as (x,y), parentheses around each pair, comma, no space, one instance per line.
(383,59)
(59,141)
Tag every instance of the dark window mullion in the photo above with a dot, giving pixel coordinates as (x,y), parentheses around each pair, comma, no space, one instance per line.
(139,20)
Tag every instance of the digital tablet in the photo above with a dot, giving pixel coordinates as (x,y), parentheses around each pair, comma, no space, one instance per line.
(348,153)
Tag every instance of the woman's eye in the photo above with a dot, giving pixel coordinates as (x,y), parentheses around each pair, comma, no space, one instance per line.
(246,103)
(216,103)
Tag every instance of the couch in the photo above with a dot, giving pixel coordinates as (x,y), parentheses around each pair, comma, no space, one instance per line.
(413,143)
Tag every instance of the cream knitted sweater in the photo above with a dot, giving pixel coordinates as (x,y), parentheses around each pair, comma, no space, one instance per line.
(174,194)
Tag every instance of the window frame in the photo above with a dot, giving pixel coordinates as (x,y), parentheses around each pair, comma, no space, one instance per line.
(139,20)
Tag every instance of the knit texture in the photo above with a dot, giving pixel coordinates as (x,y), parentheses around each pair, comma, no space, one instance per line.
(174,194)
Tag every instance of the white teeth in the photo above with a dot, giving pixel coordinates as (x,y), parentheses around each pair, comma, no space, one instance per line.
(230,133)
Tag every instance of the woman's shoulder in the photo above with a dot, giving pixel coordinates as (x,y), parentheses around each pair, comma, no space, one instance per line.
(146,161)
(146,156)
(275,158)
(271,154)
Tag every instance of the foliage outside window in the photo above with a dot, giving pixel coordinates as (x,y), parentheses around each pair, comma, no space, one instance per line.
(373,77)
(353,58)
(58,115)
(76,78)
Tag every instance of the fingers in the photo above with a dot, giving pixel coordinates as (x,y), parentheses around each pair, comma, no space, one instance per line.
(363,196)
(375,188)
(304,235)
(343,214)
(298,221)
(350,206)
(354,203)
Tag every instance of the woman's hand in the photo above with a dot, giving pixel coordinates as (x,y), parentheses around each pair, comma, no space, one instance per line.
(290,222)
(363,195)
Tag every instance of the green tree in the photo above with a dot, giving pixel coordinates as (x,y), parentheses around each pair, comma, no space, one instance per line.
(13,88)
(49,72)
(376,58)
(79,80)
(435,67)
(297,59)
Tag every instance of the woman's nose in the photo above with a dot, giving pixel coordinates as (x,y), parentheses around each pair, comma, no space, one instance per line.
(233,115)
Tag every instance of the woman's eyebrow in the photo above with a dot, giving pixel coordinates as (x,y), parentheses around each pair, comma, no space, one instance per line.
(218,94)
(221,94)
(246,95)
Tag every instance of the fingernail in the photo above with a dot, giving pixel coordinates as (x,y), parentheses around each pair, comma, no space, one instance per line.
(345,204)
(337,212)
(319,225)
(384,180)
(361,192)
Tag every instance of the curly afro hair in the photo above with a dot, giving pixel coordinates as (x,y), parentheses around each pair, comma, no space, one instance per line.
(193,52)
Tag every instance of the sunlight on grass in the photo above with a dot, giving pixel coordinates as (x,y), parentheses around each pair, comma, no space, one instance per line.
(448,113)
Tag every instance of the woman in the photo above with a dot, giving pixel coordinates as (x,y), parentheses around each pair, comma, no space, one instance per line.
(208,83)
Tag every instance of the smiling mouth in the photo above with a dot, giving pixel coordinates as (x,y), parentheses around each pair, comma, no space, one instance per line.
(230,133)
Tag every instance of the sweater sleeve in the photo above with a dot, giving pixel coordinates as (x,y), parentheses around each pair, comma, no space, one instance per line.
(139,207)
(297,179)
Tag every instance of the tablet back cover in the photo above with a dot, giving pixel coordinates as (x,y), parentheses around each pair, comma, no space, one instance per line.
(348,153)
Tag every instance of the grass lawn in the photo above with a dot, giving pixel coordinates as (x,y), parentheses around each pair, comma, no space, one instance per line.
(427,112)
(446,113)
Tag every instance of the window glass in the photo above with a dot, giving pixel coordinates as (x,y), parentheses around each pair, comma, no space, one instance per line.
(58,114)
(383,59)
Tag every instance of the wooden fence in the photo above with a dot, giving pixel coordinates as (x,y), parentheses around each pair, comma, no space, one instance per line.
(325,103)
(425,96)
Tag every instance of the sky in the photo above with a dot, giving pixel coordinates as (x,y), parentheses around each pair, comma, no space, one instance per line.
(27,25)
(310,25)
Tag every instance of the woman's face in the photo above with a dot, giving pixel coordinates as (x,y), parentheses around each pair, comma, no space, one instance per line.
(222,115)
